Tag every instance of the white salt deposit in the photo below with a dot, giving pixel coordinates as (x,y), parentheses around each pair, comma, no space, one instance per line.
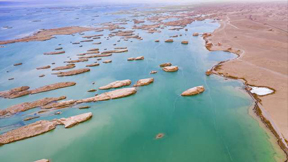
(261,91)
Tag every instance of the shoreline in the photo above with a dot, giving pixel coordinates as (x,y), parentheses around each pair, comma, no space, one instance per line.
(257,108)
(46,34)
(272,138)
(259,111)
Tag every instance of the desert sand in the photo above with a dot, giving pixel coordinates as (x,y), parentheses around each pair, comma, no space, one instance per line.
(257,33)
(260,32)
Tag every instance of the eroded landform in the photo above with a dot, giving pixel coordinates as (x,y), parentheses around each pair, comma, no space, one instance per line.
(243,31)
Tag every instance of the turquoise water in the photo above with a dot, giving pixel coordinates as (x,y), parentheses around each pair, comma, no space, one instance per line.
(213,126)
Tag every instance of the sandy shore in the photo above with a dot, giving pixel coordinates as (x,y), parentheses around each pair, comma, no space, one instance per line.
(48,34)
(257,33)
(261,36)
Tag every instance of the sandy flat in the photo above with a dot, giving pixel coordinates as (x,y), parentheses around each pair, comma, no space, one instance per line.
(48,34)
(260,32)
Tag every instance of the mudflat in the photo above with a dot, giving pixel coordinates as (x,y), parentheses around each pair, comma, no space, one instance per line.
(48,34)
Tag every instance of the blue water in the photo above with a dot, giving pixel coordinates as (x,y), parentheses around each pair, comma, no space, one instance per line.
(213,126)
(22,17)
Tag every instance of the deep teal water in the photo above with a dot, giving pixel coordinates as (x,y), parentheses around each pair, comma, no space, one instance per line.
(213,126)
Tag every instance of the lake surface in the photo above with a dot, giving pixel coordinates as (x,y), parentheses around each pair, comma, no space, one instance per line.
(212,126)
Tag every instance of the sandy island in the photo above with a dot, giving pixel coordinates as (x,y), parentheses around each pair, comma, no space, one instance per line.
(256,32)
(47,34)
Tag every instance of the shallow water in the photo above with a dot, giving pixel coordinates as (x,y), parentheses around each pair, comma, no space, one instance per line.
(24,20)
(213,126)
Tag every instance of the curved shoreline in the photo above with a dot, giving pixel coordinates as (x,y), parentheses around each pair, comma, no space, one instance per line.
(258,109)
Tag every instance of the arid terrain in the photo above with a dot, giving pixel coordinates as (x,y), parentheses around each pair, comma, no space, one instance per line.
(260,31)
(256,32)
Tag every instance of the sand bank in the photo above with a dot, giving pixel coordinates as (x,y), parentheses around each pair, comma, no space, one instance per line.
(47,34)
